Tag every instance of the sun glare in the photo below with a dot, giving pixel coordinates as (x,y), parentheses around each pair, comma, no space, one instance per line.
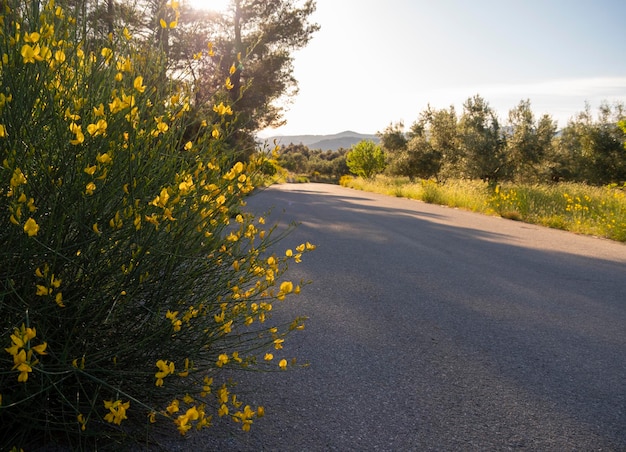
(209,5)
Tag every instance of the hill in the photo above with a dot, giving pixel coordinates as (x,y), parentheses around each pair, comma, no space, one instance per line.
(324,142)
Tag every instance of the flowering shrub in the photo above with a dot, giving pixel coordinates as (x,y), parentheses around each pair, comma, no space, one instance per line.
(131,275)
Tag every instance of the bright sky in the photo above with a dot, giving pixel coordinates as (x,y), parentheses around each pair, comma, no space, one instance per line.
(380,61)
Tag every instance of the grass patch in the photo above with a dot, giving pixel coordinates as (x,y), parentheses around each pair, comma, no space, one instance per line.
(580,208)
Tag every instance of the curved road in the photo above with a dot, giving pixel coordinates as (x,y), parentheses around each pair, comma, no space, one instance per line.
(438,329)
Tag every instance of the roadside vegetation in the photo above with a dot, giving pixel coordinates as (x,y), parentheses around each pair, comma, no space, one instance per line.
(576,207)
(134,286)
(523,169)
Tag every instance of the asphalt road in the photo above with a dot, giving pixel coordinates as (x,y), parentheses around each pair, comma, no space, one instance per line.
(433,328)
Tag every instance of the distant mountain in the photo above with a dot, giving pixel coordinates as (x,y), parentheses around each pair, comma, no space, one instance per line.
(324,142)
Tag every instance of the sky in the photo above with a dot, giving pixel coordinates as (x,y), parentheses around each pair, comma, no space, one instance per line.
(377,62)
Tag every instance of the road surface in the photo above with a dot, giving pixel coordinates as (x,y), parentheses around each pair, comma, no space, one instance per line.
(433,328)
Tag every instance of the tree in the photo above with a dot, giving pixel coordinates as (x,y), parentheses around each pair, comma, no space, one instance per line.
(393,138)
(443,139)
(528,141)
(481,142)
(591,150)
(366,159)
(252,44)
(422,160)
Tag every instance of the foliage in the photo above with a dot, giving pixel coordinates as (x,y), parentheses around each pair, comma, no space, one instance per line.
(528,142)
(480,141)
(591,150)
(318,164)
(132,276)
(393,138)
(366,159)
(265,33)
(525,150)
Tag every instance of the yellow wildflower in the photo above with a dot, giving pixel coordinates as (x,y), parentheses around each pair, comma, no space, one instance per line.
(278,343)
(99,110)
(90,188)
(283,364)
(221,360)
(104,158)
(286,287)
(117,411)
(31,54)
(222,109)
(32,37)
(31,227)
(23,365)
(165,369)
(18,178)
(77,130)
(99,128)
(81,420)
(138,84)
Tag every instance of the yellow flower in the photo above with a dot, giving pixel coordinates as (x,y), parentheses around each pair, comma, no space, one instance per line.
(81,420)
(160,128)
(106,53)
(3,131)
(232,69)
(99,128)
(173,407)
(127,34)
(222,109)
(104,158)
(278,343)
(221,360)
(31,227)
(228,85)
(31,54)
(99,110)
(138,84)
(286,287)
(268,357)
(161,199)
(182,421)
(18,178)
(22,365)
(32,37)
(90,188)
(90,170)
(77,130)
(59,56)
(165,369)
(117,411)
(188,145)
(282,364)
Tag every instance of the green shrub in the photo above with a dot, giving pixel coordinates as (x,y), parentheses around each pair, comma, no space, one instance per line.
(131,277)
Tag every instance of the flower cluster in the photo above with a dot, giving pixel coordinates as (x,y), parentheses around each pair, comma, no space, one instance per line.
(22,351)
